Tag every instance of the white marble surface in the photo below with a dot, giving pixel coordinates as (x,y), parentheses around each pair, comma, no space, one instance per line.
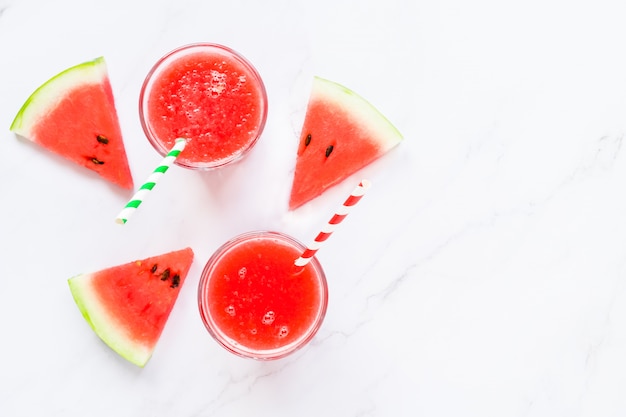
(484,274)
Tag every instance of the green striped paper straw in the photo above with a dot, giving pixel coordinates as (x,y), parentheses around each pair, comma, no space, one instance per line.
(158,172)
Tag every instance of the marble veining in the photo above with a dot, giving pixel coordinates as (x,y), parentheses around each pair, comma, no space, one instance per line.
(484,273)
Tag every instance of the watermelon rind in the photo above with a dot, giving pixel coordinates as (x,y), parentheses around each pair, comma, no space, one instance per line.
(353,134)
(100,322)
(73,114)
(371,118)
(51,92)
(128,305)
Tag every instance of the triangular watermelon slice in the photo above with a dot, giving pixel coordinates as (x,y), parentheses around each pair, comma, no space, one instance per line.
(128,305)
(342,133)
(73,114)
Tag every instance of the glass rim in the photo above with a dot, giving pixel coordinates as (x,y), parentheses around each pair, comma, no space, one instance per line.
(161,64)
(231,345)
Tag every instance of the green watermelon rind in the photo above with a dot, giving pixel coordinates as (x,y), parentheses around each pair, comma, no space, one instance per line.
(52,92)
(361,109)
(103,324)
(374,131)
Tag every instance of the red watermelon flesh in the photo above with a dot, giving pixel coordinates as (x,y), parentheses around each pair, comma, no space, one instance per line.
(73,115)
(342,133)
(128,305)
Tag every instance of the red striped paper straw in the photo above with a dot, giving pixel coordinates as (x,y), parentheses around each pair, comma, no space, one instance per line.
(330,227)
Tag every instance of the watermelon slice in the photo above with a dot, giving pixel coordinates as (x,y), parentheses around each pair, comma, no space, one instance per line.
(128,305)
(341,134)
(73,114)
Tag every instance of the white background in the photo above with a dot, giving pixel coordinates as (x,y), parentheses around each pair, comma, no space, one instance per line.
(482,275)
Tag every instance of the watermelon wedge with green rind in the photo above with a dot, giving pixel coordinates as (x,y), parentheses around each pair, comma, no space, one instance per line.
(128,305)
(342,133)
(73,114)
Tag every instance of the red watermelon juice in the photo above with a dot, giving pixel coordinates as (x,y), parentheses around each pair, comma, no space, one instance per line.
(255,302)
(211,96)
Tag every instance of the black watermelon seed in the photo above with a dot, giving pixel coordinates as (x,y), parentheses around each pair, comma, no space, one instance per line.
(329,150)
(102,139)
(165,275)
(307,140)
(175,281)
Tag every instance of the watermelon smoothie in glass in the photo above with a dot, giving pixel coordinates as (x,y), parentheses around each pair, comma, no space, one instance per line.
(255,302)
(208,94)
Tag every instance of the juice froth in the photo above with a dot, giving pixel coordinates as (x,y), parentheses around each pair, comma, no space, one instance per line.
(256,302)
(209,95)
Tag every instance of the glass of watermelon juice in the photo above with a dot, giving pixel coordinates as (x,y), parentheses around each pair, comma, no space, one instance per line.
(255,302)
(206,93)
